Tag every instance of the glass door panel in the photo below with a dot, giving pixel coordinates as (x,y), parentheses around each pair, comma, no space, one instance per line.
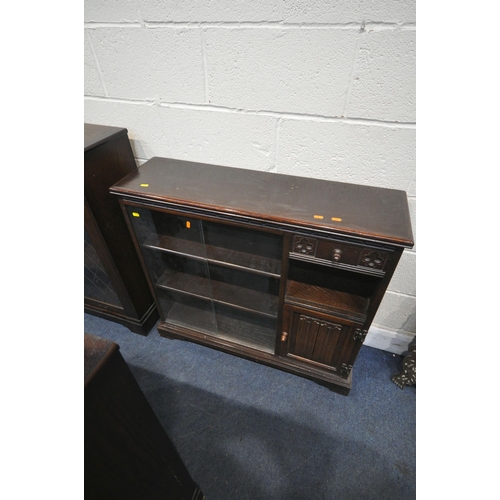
(246,291)
(212,278)
(248,249)
(246,328)
(98,285)
(245,271)
(174,253)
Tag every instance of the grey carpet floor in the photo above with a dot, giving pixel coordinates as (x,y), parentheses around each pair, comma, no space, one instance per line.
(248,431)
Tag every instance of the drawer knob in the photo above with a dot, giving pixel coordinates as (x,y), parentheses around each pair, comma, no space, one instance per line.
(284,336)
(337,253)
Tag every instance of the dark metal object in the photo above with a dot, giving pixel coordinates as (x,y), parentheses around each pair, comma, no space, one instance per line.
(408,374)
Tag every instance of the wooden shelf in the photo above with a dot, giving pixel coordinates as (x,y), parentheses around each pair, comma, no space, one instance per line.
(327,300)
(185,316)
(258,264)
(221,293)
(254,332)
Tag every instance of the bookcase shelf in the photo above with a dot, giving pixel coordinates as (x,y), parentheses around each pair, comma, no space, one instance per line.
(266,266)
(235,296)
(254,332)
(327,300)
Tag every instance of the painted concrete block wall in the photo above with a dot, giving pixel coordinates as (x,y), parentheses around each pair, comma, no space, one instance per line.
(305,87)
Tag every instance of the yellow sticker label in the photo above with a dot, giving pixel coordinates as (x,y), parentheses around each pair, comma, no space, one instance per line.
(318,216)
(136,214)
(336,219)
(188,224)
(144,185)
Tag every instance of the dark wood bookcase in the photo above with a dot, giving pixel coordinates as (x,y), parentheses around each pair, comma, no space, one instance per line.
(115,286)
(283,270)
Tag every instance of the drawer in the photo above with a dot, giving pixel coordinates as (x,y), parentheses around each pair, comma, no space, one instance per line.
(339,252)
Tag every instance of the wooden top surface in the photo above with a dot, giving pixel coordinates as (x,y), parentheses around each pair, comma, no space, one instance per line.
(96,352)
(377,213)
(98,134)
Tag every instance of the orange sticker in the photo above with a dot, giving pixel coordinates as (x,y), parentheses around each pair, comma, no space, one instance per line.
(318,216)
(188,224)
(336,219)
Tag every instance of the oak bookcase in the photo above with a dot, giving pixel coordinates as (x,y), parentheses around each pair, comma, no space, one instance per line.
(283,270)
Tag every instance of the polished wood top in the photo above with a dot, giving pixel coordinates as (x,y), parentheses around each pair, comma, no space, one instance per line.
(376,213)
(94,135)
(96,352)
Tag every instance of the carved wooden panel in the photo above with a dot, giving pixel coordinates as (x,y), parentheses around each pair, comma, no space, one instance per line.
(326,343)
(304,246)
(315,339)
(374,259)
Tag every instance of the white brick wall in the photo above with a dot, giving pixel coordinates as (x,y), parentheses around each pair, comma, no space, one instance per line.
(305,87)
(348,11)
(383,81)
(302,71)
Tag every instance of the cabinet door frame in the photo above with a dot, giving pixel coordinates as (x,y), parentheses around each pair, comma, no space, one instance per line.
(126,307)
(344,349)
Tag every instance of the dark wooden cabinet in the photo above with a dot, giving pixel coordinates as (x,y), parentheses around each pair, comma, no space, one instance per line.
(115,286)
(283,270)
(128,455)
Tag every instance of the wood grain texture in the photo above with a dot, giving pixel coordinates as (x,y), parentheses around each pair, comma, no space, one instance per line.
(376,213)
(327,299)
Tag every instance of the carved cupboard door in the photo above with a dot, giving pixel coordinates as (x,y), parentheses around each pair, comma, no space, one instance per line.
(322,341)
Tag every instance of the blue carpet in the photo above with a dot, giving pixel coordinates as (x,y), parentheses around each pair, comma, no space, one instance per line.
(248,431)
